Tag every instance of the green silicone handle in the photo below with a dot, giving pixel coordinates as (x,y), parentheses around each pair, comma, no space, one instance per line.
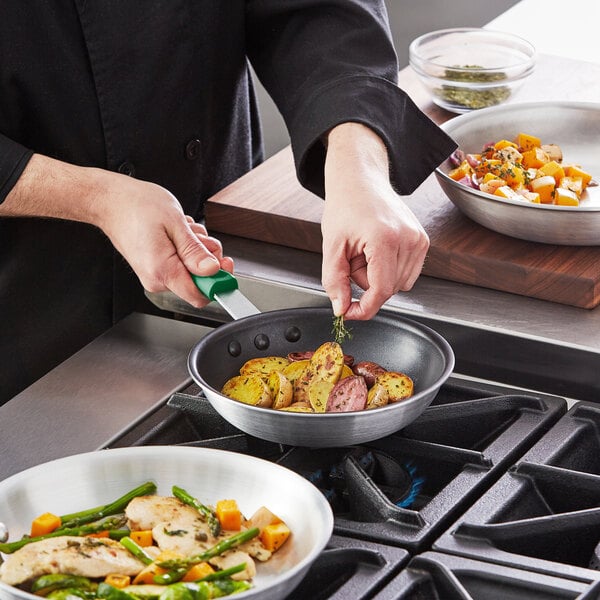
(209,285)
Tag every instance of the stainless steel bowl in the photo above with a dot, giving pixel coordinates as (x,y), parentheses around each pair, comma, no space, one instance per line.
(573,126)
(88,480)
(396,343)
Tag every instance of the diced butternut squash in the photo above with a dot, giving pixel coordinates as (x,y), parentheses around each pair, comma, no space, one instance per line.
(528,142)
(553,168)
(534,158)
(142,538)
(45,523)
(198,571)
(463,170)
(274,536)
(98,534)
(147,574)
(500,144)
(544,186)
(577,171)
(565,197)
(117,580)
(229,515)
(488,166)
(513,174)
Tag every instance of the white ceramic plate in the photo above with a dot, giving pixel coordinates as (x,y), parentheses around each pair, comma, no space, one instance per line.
(575,127)
(87,480)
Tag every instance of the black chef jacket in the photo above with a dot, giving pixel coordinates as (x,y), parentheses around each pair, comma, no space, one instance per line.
(160,90)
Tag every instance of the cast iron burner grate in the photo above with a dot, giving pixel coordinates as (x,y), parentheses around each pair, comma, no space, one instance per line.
(544,514)
(435,576)
(341,472)
(456,450)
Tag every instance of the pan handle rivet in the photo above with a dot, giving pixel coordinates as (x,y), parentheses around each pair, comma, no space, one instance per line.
(234,348)
(262,341)
(292,334)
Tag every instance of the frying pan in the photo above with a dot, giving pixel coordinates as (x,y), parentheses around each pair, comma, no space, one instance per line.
(81,481)
(394,342)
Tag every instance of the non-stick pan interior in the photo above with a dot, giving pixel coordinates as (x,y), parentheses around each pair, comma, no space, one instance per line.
(396,343)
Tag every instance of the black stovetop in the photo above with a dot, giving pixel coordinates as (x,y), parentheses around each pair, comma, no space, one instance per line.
(397,498)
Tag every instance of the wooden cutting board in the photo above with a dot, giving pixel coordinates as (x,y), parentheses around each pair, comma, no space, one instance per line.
(269,204)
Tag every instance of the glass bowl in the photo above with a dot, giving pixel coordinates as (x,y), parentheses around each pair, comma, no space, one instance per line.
(469,68)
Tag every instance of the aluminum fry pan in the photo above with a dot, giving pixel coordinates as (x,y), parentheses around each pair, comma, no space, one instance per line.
(396,343)
(92,479)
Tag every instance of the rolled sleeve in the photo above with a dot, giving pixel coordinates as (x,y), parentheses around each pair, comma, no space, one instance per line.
(415,144)
(13,160)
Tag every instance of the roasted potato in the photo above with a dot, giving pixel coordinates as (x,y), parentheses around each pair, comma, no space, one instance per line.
(398,385)
(325,364)
(295,369)
(281,390)
(249,389)
(377,396)
(318,393)
(264,366)
(298,407)
(347,395)
(369,370)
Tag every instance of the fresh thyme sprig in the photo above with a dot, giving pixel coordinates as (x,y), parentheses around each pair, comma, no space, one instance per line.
(339,330)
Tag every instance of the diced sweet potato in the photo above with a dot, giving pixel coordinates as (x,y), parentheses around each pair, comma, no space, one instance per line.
(544,186)
(273,536)
(564,197)
(527,141)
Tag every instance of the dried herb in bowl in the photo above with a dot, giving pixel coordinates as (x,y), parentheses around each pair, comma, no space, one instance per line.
(473,98)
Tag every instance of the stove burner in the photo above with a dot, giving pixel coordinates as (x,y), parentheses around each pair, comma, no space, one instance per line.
(398,482)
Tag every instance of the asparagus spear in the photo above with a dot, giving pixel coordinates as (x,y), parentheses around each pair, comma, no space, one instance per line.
(136,550)
(211,518)
(220,547)
(114,507)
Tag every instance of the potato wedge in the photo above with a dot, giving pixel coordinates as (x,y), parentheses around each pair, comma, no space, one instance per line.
(347,395)
(325,364)
(295,369)
(318,393)
(281,390)
(346,372)
(264,366)
(398,385)
(377,396)
(298,407)
(249,389)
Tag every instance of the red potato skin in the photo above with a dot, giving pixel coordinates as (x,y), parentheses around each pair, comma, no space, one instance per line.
(369,370)
(348,394)
(294,356)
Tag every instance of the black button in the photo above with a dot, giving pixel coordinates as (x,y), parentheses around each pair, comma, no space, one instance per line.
(192,149)
(126,168)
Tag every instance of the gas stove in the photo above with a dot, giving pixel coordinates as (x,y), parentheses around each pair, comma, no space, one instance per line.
(490,493)
(401,502)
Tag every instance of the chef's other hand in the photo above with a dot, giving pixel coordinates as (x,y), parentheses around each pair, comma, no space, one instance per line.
(161,244)
(369,235)
(144,221)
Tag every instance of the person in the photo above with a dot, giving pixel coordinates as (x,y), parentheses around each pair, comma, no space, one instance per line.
(119,118)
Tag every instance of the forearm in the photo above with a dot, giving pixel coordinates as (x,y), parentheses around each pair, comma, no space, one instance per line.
(359,147)
(51,188)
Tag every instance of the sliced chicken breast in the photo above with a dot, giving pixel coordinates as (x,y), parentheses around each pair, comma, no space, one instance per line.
(90,557)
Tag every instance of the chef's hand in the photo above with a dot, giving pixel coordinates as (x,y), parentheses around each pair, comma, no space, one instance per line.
(369,235)
(145,222)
